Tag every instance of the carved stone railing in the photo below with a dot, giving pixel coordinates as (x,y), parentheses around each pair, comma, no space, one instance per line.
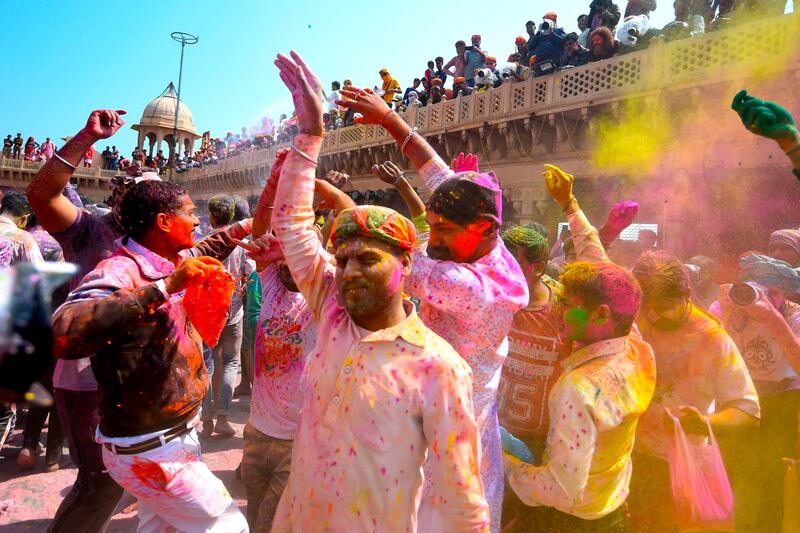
(726,54)
(7,163)
(723,55)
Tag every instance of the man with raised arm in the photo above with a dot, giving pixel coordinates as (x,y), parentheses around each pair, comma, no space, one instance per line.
(382,390)
(88,238)
(607,384)
(468,284)
(285,336)
(130,316)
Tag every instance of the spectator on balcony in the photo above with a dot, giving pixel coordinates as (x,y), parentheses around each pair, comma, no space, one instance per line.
(336,119)
(8,143)
(440,73)
(425,91)
(530,29)
(686,23)
(114,158)
(161,160)
(460,87)
(389,88)
(333,96)
(349,114)
(48,148)
(475,60)
(413,89)
(430,70)
(437,92)
(106,158)
(634,34)
(491,64)
(584,30)
(18,146)
(548,45)
(522,49)
(639,7)
(602,44)
(88,156)
(30,148)
(716,10)
(575,55)
(603,13)
(455,67)
(413,100)
(515,70)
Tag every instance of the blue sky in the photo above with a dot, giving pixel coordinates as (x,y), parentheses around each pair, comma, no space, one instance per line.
(63,59)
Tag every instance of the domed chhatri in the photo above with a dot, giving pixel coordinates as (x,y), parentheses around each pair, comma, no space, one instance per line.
(158,120)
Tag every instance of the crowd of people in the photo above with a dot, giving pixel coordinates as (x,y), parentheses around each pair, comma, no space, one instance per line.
(603,32)
(431,367)
(29,150)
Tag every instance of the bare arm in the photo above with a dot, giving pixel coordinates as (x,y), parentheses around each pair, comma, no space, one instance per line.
(262,218)
(374,110)
(334,198)
(587,241)
(390,173)
(55,212)
(448,68)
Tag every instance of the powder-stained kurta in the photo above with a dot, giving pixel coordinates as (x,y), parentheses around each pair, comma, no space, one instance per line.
(594,409)
(472,306)
(374,401)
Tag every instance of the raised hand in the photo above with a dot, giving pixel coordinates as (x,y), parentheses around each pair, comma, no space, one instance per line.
(336,178)
(103,123)
(263,250)
(306,92)
(190,270)
(622,215)
(559,185)
(277,165)
(465,163)
(765,118)
(388,172)
(364,101)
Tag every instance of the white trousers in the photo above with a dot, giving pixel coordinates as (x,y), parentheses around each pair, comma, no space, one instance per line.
(175,489)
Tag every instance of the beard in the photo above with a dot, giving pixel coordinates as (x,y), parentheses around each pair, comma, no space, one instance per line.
(440,253)
(359,300)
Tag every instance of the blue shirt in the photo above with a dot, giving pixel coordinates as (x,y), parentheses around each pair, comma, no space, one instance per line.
(474,60)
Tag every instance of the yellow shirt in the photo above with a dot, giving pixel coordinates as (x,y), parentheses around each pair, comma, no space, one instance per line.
(698,365)
(389,84)
(594,408)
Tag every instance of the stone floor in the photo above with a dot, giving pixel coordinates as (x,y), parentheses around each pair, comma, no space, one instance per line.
(28,500)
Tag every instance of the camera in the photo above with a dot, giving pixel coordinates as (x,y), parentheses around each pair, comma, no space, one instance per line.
(744,293)
(545,25)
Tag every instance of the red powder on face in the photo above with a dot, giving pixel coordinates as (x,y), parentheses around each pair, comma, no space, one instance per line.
(150,474)
(465,244)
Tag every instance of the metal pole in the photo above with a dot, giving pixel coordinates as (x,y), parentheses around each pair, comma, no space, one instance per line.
(184,39)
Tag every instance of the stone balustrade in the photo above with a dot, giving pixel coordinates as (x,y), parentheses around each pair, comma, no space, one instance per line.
(91,181)
(544,118)
(684,64)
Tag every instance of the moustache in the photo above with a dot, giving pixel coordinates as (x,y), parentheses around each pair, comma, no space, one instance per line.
(438,252)
(353,285)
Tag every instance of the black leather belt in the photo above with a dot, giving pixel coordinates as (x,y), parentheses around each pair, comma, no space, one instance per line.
(149,444)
